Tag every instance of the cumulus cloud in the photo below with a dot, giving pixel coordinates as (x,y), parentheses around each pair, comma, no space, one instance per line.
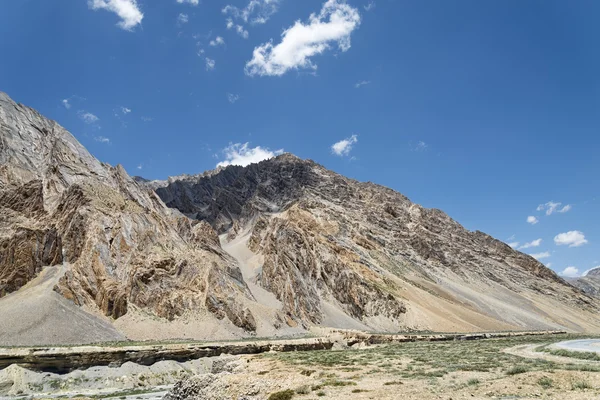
(551,207)
(232,98)
(218,41)
(127,10)
(255,12)
(210,64)
(534,243)
(540,256)
(88,117)
(570,272)
(571,238)
(344,146)
(192,2)
(299,43)
(242,154)
(361,83)
(532,220)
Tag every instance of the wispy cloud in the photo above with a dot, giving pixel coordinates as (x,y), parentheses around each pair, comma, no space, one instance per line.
(238,28)
(369,6)
(147,119)
(242,154)
(551,207)
(571,239)
(218,41)
(344,146)
(66,103)
(182,19)
(540,256)
(300,42)
(361,83)
(125,110)
(534,243)
(232,98)
(255,12)
(102,139)
(210,64)
(514,245)
(420,146)
(127,10)
(191,2)
(532,220)
(88,117)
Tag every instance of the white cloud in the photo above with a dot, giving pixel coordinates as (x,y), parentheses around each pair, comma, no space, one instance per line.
(66,103)
(210,64)
(540,256)
(238,28)
(300,42)
(571,238)
(369,6)
(241,154)
(552,207)
(532,220)
(256,12)
(343,147)
(218,41)
(125,110)
(232,98)
(361,83)
(127,10)
(140,166)
(534,243)
(514,245)
(88,117)
(182,19)
(570,272)
(192,2)
(147,119)
(102,139)
(420,146)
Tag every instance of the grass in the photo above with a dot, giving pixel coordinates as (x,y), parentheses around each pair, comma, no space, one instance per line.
(545,382)
(283,395)
(581,355)
(473,382)
(519,369)
(581,385)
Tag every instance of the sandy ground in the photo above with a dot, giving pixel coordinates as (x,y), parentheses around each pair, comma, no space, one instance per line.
(36,315)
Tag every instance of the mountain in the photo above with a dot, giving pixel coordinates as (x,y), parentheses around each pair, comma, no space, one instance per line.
(589,283)
(118,253)
(343,253)
(88,253)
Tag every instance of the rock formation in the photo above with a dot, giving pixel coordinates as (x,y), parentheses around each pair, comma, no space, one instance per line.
(589,283)
(123,247)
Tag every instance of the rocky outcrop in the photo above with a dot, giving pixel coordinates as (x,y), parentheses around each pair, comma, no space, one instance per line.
(123,247)
(589,283)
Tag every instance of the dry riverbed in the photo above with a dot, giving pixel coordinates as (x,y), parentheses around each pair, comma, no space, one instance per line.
(481,369)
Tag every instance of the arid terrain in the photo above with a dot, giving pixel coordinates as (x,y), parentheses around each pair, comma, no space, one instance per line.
(524,367)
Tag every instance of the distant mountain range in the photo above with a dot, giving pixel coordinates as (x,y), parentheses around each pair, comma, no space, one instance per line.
(269,249)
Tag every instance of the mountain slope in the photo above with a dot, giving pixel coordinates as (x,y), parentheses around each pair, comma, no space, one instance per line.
(339,252)
(590,283)
(123,251)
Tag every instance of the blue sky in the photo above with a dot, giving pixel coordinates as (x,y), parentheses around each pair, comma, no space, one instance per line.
(484,109)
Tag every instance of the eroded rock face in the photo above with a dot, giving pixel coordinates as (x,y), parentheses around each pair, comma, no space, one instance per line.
(328,241)
(590,283)
(58,204)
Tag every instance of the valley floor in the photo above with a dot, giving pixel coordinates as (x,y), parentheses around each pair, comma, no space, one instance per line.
(523,367)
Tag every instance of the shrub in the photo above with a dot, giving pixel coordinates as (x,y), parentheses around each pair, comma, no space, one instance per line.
(283,395)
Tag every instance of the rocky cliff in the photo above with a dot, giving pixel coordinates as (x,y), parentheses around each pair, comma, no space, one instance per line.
(590,283)
(124,249)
